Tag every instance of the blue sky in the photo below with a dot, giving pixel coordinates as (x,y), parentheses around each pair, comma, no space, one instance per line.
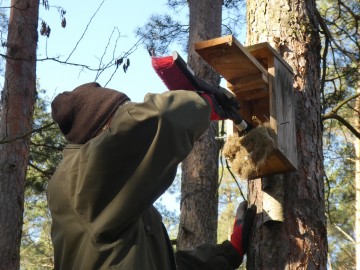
(124,16)
(56,78)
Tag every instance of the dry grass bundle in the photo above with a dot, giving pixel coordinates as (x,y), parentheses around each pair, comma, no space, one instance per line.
(247,154)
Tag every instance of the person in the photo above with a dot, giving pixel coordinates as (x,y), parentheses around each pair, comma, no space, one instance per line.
(120,158)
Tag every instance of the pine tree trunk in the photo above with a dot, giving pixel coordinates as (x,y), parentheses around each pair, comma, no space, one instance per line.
(18,99)
(299,242)
(199,197)
(357,178)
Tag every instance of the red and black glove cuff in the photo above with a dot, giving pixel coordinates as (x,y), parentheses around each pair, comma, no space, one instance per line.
(213,115)
(236,238)
(242,229)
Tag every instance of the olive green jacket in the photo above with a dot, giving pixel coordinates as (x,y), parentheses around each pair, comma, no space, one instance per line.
(101,195)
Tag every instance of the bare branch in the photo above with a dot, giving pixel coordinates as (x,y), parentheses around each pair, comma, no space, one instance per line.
(28,134)
(328,34)
(352,240)
(86,28)
(350,11)
(342,121)
(342,103)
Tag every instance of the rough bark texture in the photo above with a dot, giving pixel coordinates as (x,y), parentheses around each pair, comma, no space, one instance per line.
(357,179)
(199,197)
(300,241)
(18,98)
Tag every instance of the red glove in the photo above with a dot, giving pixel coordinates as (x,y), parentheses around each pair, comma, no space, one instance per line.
(216,112)
(236,237)
(242,227)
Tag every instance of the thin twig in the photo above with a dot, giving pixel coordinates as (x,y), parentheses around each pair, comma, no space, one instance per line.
(86,28)
(28,134)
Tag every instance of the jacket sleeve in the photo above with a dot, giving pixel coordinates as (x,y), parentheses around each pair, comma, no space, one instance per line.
(209,257)
(125,169)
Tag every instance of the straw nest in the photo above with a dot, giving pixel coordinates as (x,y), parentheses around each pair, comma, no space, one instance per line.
(247,154)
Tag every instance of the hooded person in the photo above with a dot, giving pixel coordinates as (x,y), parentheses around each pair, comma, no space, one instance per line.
(121,157)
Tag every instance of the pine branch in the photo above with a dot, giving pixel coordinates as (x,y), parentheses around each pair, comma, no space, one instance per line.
(27,134)
(333,115)
(342,121)
(330,37)
(342,103)
(351,239)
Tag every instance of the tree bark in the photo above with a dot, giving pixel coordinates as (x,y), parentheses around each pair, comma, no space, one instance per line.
(299,242)
(199,187)
(18,99)
(357,178)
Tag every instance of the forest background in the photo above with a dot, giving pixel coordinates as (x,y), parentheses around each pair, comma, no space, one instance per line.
(76,54)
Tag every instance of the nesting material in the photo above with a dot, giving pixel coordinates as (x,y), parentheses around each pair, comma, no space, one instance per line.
(247,154)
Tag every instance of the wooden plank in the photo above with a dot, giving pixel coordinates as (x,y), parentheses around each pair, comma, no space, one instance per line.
(230,59)
(282,96)
(273,198)
(256,81)
(264,50)
(255,107)
(276,163)
(251,94)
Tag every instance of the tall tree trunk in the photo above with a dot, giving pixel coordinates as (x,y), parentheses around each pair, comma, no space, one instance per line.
(18,99)
(199,197)
(357,177)
(299,242)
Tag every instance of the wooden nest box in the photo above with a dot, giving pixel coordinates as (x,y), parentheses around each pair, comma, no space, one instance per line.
(263,84)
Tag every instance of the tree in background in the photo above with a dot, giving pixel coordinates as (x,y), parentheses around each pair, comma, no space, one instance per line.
(339,21)
(199,183)
(3,33)
(199,188)
(170,217)
(164,30)
(230,187)
(45,153)
(17,106)
(357,174)
(299,242)
(36,247)
(340,196)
